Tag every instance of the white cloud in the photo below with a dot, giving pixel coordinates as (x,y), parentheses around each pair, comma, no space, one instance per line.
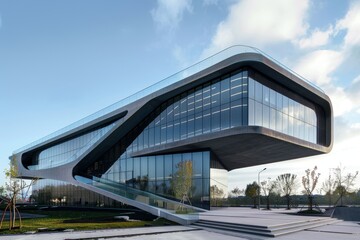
(353,92)
(355,125)
(347,138)
(341,100)
(344,100)
(351,23)
(319,65)
(169,13)
(316,39)
(261,22)
(354,89)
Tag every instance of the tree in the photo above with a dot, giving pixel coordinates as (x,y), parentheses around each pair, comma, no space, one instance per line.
(182,181)
(142,182)
(344,182)
(237,192)
(268,187)
(2,191)
(287,184)
(329,186)
(13,189)
(43,196)
(252,191)
(216,193)
(309,182)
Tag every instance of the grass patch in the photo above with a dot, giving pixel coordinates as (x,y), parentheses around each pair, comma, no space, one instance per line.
(78,220)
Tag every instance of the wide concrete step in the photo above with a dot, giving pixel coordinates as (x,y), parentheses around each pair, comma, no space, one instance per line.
(264,231)
(231,228)
(302,225)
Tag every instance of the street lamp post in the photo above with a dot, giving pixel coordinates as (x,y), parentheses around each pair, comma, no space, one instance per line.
(259,186)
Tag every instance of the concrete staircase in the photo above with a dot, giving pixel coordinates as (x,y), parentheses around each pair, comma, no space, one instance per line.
(263,231)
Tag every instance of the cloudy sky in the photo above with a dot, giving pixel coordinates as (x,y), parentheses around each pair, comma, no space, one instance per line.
(63,60)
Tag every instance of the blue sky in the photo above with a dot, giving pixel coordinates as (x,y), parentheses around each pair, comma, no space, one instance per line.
(63,60)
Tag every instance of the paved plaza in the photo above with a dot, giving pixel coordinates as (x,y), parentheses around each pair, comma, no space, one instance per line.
(335,231)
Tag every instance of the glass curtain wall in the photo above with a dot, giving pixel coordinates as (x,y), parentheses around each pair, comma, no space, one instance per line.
(58,193)
(217,105)
(218,183)
(66,152)
(278,112)
(160,174)
(211,107)
(214,106)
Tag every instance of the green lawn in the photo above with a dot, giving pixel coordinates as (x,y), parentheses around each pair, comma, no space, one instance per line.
(77,220)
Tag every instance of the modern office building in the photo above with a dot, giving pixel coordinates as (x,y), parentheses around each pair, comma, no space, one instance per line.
(176,140)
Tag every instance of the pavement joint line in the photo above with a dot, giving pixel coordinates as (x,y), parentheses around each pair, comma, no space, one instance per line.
(324,231)
(133,235)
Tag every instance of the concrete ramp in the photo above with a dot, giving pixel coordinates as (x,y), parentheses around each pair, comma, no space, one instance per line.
(347,213)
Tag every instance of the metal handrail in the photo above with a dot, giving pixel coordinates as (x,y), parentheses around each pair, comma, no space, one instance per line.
(133,193)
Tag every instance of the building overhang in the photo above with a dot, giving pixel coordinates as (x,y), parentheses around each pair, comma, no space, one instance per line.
(242,147)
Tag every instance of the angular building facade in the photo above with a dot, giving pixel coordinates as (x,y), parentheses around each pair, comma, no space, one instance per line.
(176,141)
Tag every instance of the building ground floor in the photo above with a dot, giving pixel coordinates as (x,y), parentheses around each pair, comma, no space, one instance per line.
(199,174)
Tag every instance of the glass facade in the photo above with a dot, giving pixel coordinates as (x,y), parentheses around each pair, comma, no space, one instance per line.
(227,102)
(217,105)
(155,174)
(59,193)
(211,107)
(68,151)
(278,112)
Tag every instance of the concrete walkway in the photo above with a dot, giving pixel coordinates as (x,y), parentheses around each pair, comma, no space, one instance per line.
(337,231)
(279,217)
(340,230)
(248,216)
(143,232)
